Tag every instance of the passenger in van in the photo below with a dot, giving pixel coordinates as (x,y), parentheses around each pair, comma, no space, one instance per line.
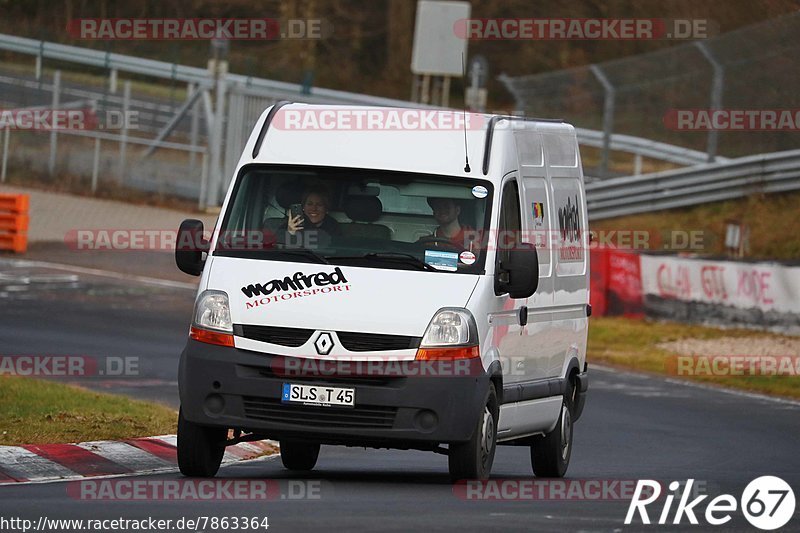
(315,206)
(446,212)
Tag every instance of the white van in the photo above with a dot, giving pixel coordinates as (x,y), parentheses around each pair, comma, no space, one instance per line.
(365,287)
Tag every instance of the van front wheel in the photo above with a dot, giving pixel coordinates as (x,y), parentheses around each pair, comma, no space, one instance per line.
(301,456)
(473,459)
(200,448)
(550,454)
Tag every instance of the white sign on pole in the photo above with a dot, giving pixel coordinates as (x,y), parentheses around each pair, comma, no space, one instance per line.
(437,47)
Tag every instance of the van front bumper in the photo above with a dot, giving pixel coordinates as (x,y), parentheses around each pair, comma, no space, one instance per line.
(233,388)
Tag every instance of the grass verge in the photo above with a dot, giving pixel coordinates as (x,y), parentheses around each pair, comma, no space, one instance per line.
(632,344)
(36,411)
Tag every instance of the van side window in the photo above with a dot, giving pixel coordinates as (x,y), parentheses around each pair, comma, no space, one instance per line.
(510,225)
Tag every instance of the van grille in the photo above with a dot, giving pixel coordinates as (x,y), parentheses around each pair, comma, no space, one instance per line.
(365,342)
(291,337)
(354,341)
(329,417)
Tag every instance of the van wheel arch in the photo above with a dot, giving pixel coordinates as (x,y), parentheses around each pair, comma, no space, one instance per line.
(495,372)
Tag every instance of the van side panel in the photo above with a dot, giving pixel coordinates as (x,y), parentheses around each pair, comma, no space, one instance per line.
(571,253)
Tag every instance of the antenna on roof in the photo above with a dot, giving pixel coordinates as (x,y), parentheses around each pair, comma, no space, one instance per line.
(466,148)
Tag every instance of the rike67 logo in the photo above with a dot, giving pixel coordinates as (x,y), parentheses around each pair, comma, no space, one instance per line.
(767,503)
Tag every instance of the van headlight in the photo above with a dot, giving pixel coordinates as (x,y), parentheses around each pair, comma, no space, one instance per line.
(212,311)
(452,334)
(450,327)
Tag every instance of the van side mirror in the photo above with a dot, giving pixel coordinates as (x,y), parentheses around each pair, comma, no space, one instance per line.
(189,247)
(518,275)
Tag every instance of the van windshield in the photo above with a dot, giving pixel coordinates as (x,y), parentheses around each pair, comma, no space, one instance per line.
(357,217)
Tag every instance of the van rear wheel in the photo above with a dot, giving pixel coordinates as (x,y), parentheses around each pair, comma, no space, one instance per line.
(301,456)
(550,454)
(200,448)
(473,459)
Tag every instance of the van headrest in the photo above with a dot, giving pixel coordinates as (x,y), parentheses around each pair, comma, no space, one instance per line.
(363,208)
(289,193)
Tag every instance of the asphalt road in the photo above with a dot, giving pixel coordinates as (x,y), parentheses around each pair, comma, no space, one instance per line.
(45,311)
(634,427)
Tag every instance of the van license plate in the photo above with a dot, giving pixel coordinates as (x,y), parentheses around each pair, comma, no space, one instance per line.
(318,395)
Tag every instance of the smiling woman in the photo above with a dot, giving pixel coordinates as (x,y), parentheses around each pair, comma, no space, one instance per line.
(313,215)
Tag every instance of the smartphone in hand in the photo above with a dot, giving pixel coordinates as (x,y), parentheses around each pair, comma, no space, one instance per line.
(296,210)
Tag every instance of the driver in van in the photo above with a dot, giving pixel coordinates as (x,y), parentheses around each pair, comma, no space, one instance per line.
(446,212)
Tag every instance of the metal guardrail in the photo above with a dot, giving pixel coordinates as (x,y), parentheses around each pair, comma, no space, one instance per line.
(711,182)
(645,147)
(174,71)
(291,91)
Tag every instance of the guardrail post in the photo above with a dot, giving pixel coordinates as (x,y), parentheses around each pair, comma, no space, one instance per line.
(717,84)
(123,140)
(51,166)
(5,154)
(112,81)
(608,116)
(39,59)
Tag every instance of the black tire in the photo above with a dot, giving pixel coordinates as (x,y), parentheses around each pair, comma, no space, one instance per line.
(200,448)
(473,459)
(550,454)
(300,456)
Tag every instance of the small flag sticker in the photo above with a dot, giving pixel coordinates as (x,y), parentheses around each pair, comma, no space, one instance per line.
(538,211)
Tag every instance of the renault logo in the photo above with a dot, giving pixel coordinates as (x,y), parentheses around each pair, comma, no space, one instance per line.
(324,343)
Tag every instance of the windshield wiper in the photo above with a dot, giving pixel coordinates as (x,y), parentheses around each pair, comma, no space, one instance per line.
(303,251)
(393,256)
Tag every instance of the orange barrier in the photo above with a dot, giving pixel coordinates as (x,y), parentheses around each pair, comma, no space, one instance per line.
(14,222)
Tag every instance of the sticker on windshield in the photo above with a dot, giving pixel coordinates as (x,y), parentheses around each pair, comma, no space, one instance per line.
(442,260)
(467,257)
(479,191)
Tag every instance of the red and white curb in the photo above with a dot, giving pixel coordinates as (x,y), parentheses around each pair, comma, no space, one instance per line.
(55,462)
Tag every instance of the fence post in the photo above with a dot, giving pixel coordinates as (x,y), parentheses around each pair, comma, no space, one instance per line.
(194,127)
(123,137)
(608,116)
(51,166)
(717,84)
(215,183)
(201,202)
(5,154)
(95,164)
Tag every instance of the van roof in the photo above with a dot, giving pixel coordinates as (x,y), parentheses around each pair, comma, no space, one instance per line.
(429,141)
